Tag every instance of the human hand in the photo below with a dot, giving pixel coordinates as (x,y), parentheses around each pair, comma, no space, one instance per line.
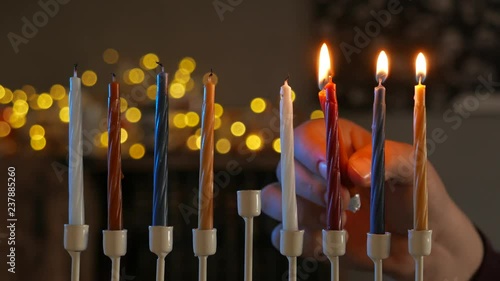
(457,248)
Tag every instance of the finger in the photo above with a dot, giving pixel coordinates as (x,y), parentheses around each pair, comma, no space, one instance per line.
(307,185)
(271,201)
(398,164)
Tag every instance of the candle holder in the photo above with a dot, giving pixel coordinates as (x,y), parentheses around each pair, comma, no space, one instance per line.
(378,248)
(419,246)
(204,245)
(76,239)
(249,206)
(161,244)
(334,245)
(114,244)
(291,244)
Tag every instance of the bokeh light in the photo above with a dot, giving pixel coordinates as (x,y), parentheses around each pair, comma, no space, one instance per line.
(133,115)
(218,110)
(38,144)
(253,142)
(64,114)
(104,139)
(19,95)
(89,78)
(44,101)
(277,145)
(189,85)
(217,123)
(110,56)
(63,102)
(151,92)
(4,129)
(258,105)
(20,107)
(17,121)
(238,128)
(223,146)
(188,63)
(148,61)
(198,142)
(7,96)
(57,92)
(123,105)
(37,132)
(123,135)
(177,90)
(180,120)
(136,75)
(293,95)
(29,90)
(182,76)
(192,119)
(191,142)
(2,92)
(317,114)
(137,151)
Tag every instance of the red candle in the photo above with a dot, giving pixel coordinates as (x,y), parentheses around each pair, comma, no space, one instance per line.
(115,221)
(334,207)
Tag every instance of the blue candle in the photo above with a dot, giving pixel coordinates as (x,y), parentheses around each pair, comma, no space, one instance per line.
(377,202)
(161,150)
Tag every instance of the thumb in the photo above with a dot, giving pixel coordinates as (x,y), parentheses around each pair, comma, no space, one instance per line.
(399,164)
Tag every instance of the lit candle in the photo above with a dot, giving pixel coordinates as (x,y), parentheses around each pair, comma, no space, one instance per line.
(76,210)
(161,150)
(377,204)
(420,211)
(329,95)
(114,158)
(288,197)
(206,180)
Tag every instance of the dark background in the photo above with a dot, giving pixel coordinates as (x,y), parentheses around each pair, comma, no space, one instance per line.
(252,47)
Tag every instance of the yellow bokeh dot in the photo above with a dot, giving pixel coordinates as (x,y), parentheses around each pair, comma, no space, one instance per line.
(188,63)
(293,95)
(20,107)
(37,132)
(110,56)
(218,110)
(189,85)
(104,139)
(177,90)
(214,78)
(277,145)
(192,119)
(19,95)
(44,101)
(64,114)
(182,76)
(133,115)
(137,151)
(151,92)
(89,78)
(136,75)
(191,142)
(198,132)
(63,102)
(17,121)
(258,105)
(123,135)
(198,142)
(29,90)
(223,146)
(7,97)
(7,112)
(33,102)
(217,123)
(317,114)
(38,144)
(180,120)
(123,105)
(4,129)
(57,92)
(148,61)
(2,92)
(238,128)
(253,142)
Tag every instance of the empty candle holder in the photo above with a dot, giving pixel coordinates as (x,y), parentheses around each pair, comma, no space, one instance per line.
(249,206)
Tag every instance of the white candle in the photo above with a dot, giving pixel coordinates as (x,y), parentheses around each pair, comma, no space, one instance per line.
(288,199)
(75,171)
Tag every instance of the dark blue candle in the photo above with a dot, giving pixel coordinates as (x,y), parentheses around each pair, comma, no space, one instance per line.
(377,202)
(161,150)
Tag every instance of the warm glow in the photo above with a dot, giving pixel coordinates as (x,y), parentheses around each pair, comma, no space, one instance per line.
(277,145)
(123,105)
(177,90)
(7,97)
(17,121)
(123,135)
(421,68)
(217,123)
(89,78)
(258,105)
(382,67)
(57,92)
(192,119)
(2,91)
(253,142)
(44,101)
(191,142)
(137,151)
(64,114)
(324,66)
(148,61)
(218,110)
(133,115)
(180,120)
(37,132)
(188,64)
(20,107)
(238,128)
(4,129)
(317,114)
(223,146)
(136,75)
(38,144)
(104,139)
(151,92)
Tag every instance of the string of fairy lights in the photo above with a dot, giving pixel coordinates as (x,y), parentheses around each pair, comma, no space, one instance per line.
(21,110)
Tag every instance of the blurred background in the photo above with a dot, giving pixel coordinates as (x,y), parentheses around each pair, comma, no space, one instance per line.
(251,46)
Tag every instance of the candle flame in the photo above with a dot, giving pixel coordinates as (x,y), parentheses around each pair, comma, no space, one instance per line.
(324,66)
(421,68)
(382,67)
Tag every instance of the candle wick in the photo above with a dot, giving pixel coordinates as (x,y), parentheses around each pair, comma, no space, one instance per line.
(161,65)
(287,78)
(113,77)
(211,73)
(380,81)
(75,68)
(420,79)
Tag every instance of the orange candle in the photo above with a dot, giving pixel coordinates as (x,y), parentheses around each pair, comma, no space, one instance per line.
(206,180)
(420,208)
(115,221)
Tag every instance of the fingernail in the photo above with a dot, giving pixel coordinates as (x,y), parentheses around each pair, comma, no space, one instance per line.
(362,166)
(322,169)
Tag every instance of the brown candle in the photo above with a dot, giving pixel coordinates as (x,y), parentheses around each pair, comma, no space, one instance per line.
(206,180)
(115,221)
